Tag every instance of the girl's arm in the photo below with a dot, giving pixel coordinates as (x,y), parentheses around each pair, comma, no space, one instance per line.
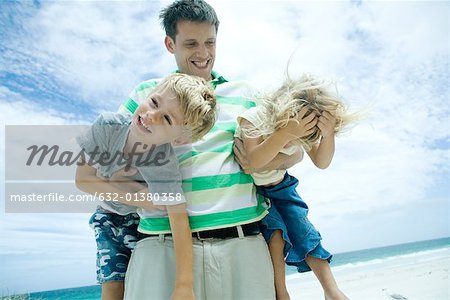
(182,240)
(261,152)
(321,154)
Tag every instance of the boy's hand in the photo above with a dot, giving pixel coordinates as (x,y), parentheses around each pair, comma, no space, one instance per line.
(183,293)
(300,126)
(326,124)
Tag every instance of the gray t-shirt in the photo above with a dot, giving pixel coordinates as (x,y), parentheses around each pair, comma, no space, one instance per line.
(104,142)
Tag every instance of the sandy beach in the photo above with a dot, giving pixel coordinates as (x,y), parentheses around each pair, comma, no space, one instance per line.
(418,276)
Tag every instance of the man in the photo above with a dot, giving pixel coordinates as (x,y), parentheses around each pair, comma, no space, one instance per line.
(231,259)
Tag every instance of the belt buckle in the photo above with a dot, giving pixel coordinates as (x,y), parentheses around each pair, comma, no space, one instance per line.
(202,239)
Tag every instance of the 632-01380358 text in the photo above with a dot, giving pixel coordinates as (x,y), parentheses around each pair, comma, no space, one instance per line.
(129,197)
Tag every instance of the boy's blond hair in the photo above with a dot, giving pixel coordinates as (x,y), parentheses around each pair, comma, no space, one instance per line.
(285,103)
(197,100)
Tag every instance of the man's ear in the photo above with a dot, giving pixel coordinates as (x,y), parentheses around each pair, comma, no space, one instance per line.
(170,44)
(182,140)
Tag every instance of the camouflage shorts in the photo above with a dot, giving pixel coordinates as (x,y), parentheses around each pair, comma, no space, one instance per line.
(116,237)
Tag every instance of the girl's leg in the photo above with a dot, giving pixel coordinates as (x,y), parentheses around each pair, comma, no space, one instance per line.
(112,290)
(276,246)
(322,270)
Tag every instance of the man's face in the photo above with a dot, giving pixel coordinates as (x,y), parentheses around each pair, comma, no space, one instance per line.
(194,48)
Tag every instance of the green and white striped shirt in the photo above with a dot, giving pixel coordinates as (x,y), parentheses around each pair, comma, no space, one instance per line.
(218,193)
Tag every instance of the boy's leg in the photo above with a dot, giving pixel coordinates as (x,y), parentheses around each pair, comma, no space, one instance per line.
(322,270)
(112,290)
(276,246)
(115,236)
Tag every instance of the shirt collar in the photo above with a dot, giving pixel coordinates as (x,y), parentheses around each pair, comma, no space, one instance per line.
(216,80)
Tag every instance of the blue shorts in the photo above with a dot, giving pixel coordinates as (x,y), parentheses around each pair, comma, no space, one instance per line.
(289,213)
(116,237)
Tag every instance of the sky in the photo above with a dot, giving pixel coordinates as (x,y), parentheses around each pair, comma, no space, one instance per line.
(66,62)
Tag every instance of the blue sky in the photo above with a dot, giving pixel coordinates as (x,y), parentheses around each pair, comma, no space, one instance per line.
(65,62)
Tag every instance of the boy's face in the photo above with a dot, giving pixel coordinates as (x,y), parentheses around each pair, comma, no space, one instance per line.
(159,119)
(194,48)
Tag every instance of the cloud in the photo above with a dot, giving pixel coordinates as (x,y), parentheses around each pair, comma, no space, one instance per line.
(17,110)
(395,67)
(63,62)
(94,53)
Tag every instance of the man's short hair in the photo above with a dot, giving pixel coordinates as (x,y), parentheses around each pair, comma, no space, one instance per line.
(187,10)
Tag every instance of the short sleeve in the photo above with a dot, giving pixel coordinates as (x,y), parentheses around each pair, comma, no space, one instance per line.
(253,115)
(93,140)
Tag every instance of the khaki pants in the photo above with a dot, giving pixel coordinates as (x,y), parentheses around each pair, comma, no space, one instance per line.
(234,269)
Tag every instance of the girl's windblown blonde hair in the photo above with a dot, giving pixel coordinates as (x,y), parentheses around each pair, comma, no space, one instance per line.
(284,104)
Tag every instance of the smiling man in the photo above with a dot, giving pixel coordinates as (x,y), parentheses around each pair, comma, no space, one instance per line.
(194,47)
(231,258)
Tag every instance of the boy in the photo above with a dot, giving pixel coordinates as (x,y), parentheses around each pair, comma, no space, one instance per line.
(179,103)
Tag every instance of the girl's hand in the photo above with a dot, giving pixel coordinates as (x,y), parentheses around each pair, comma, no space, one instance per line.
(326,124)
(300,126)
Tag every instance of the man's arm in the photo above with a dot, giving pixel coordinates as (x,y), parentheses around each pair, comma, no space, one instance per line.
(182,240)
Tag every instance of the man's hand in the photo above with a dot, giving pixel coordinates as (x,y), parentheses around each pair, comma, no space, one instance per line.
(121,180)
(326,124)
(241,157)
(300,126)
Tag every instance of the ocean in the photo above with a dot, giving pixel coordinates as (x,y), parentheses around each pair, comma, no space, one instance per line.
(339,259)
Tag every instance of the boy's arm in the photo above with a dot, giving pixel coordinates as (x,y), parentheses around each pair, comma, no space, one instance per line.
(182,240)
(87,181)
(321,154)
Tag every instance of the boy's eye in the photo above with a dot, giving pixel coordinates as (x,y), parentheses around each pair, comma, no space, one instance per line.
(168,119)
(155,102)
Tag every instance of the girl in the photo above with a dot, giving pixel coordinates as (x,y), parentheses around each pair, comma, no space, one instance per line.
(301,113)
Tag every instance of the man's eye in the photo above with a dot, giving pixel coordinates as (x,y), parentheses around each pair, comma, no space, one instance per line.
(191,45)
(155,102)
(168,119)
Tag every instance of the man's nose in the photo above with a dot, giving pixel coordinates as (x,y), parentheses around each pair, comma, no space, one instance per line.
(202,51)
